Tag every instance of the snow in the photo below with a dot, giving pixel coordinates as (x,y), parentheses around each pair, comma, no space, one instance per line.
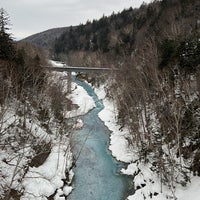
(118,143)
(36,183)
(12,159)
(78,124)
(41,182)
(56,63)
(146,182)
(131,169)
(191,191)
(100,92)
(45,179)
(80,97)
(67,190)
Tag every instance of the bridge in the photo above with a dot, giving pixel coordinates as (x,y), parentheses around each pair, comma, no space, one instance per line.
(80,69)
(70,69)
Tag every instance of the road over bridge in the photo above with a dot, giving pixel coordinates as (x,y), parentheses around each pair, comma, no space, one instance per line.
(80,69)
(70,69)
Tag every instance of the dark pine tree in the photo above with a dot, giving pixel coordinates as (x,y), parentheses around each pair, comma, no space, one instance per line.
(7,51)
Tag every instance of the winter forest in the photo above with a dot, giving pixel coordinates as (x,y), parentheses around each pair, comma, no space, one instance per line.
(106,110)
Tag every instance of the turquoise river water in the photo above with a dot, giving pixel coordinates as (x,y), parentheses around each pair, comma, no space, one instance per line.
(97,174)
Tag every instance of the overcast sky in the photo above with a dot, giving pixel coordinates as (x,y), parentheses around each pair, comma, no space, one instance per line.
(32,16)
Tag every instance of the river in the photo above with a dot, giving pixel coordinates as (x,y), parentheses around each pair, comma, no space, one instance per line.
(97,174)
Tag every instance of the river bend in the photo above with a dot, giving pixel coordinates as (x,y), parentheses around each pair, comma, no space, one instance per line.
(97,174)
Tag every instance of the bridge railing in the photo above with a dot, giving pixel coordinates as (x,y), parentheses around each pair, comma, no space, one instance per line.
(80,69)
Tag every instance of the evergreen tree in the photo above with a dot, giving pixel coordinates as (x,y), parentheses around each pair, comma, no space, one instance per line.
(7,51)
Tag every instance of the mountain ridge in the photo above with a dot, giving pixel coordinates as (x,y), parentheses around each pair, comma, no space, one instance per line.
(45,39)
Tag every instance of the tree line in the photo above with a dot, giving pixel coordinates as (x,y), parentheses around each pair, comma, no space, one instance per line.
(19,62)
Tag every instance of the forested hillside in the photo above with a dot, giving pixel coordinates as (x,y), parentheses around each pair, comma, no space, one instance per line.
(124,34)
(157,49)
(45,39)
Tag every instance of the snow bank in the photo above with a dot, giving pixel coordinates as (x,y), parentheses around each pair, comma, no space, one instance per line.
(145,181)
(80,97)
(147,184)
(118,143)
(56,63)
(100,92)
(45,179)
(191,191)
(54,174)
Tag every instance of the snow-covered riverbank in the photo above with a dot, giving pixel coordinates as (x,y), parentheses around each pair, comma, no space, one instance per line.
(20,168)
(53,177)
(147,184)
(48,178)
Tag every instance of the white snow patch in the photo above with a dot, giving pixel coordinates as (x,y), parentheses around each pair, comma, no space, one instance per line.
(118,143)
(81,98)
(131,169)
(101,93)
(56,63)
(67,190)
(191,191)
(45,179)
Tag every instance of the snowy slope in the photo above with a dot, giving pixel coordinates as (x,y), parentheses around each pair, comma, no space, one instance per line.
(54,176)
(147,184)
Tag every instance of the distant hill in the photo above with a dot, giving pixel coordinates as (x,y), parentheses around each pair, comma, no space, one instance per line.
(46,38)
(123,33)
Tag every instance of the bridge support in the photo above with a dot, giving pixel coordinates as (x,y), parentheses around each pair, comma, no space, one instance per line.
(69,71)
(69,82)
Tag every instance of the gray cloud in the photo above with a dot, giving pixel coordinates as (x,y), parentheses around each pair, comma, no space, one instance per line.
(32,16)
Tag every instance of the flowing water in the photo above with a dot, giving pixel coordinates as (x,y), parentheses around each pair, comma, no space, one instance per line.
(97,174)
